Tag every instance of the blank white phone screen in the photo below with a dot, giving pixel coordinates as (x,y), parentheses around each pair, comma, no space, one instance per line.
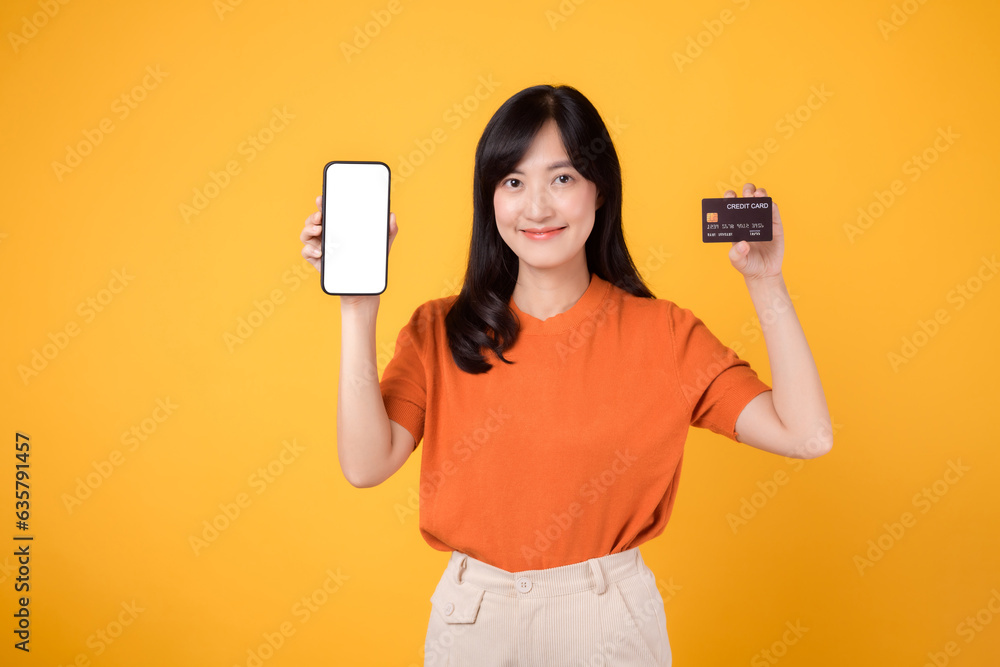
(355,227)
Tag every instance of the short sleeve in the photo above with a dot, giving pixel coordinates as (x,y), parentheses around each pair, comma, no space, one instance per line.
(715,382)
(404,380)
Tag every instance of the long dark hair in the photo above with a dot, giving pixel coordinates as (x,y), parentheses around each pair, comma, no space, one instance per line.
(481,316)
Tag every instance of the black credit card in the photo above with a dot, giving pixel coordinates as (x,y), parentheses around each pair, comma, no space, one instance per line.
(735,219)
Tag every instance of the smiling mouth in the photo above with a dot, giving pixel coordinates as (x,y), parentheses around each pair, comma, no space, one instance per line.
(544,234)
(543,230)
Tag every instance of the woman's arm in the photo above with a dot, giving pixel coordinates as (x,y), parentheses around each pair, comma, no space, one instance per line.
(793,419)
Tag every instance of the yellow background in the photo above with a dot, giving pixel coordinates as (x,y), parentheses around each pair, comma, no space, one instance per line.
(683,130)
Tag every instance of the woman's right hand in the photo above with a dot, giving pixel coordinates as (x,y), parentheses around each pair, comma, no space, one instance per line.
(312,235)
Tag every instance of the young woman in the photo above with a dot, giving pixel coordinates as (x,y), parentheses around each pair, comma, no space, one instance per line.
(553,396)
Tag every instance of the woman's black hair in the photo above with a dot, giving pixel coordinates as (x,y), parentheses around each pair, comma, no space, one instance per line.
(481,316)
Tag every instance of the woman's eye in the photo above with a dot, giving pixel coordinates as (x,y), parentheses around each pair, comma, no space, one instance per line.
(515,182)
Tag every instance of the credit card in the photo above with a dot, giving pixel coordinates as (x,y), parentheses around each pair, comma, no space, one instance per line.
(735,219)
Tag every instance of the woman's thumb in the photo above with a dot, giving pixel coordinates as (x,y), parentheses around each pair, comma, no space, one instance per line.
(738,254)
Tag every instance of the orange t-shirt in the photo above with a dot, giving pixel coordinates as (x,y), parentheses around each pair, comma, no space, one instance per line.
(574,451)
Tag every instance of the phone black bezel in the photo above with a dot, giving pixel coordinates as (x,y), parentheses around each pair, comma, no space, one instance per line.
(322,241)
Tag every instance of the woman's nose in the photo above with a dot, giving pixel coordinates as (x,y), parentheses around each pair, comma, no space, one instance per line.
(539,203)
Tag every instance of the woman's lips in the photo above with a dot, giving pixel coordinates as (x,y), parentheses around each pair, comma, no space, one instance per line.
(542,236)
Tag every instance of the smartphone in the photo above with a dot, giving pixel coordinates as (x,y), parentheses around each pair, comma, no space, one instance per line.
(355,238)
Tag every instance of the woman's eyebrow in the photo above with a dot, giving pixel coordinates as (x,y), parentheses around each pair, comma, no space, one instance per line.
(555,165)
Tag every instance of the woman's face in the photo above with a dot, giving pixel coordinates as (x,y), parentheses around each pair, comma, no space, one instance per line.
(544,192)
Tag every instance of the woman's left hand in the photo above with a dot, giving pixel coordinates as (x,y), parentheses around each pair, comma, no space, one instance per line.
(760,259)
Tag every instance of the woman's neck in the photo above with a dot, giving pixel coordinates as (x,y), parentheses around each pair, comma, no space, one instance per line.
(544,293)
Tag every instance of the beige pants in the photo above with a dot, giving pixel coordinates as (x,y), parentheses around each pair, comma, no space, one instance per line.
(599,612)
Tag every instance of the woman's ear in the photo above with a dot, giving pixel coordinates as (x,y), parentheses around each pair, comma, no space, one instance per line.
(600,200)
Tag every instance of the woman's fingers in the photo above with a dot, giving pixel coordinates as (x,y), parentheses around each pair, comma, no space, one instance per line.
(311,228)
(311,233)
(393,229)
(308,256)
(749,190)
